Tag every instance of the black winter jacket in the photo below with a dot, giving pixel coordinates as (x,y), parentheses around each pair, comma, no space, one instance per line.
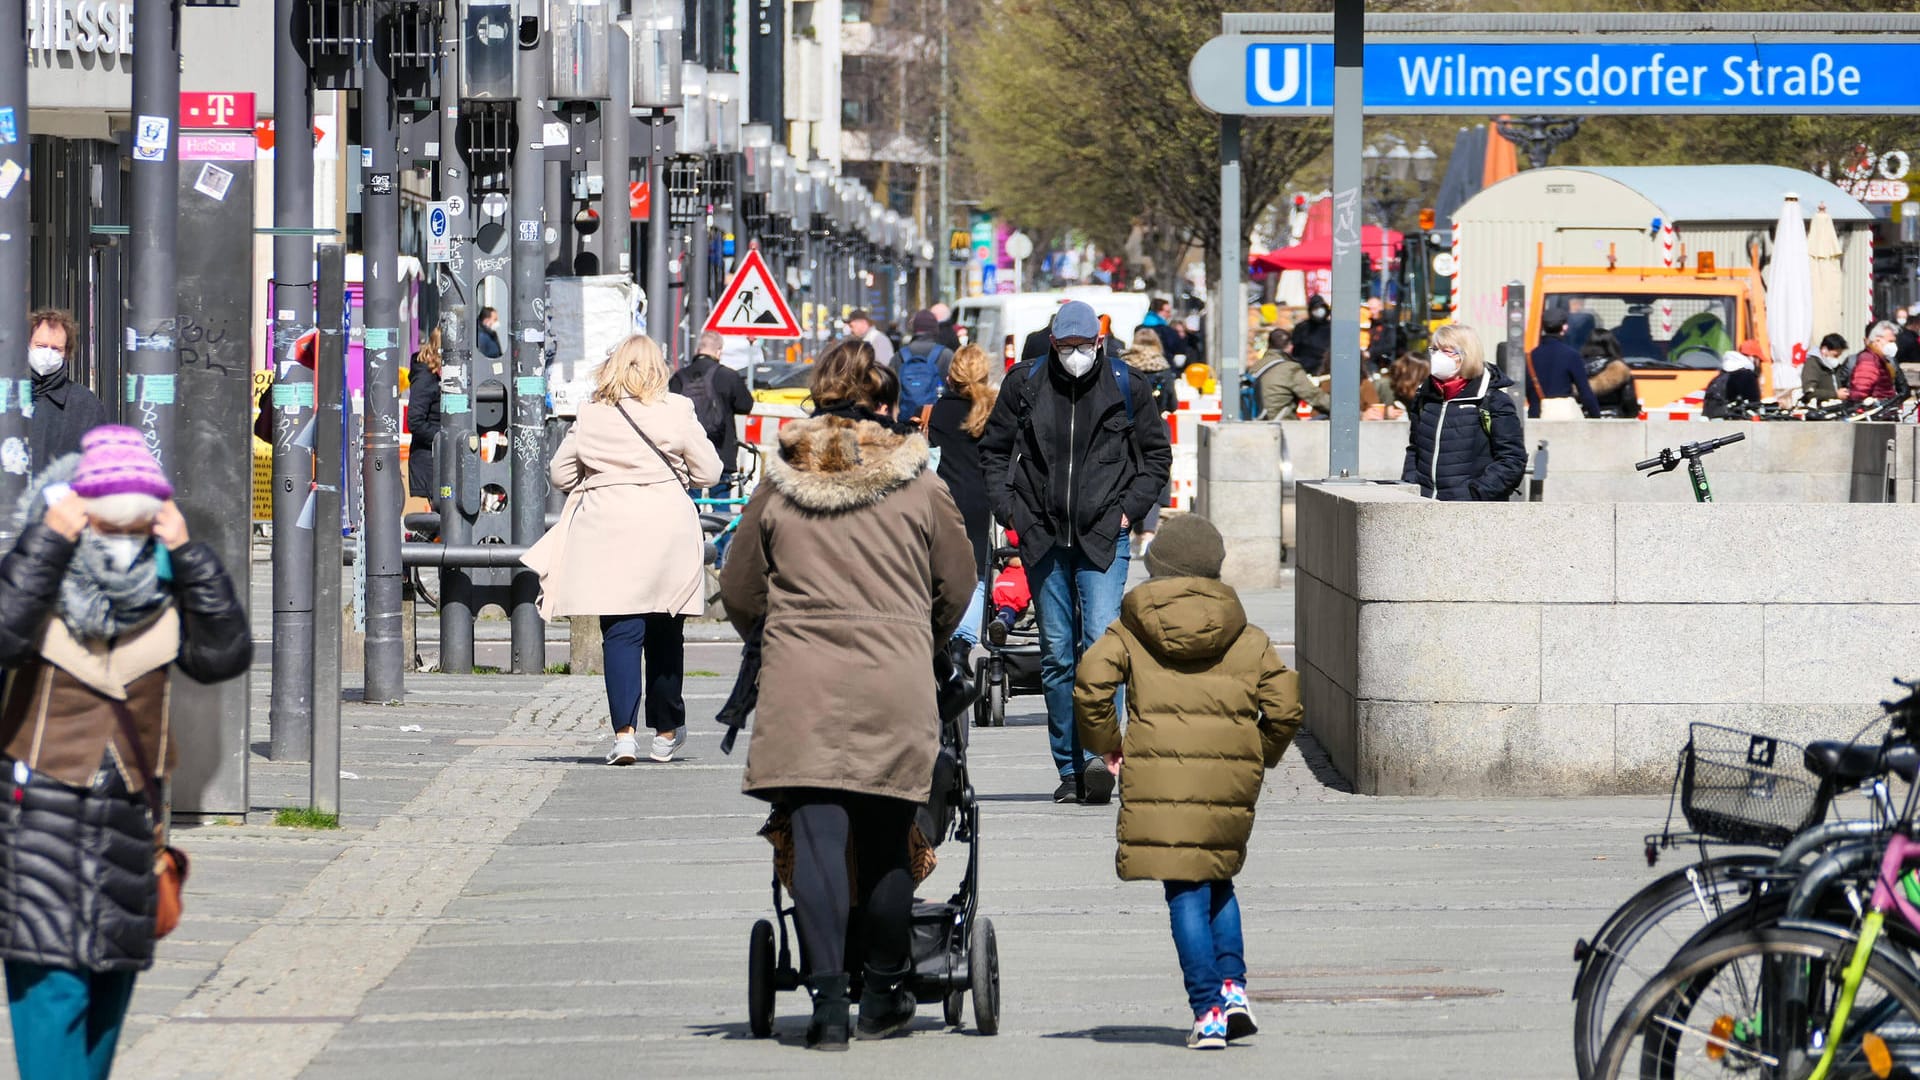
(63,410)
(77,888)
(1064,463)
(960,468)
(423,423)
(1470,449)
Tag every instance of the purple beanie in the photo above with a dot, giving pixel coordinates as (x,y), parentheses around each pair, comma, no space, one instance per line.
(114,461)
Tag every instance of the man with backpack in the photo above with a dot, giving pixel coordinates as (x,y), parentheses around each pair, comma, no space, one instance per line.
(921,365)
(1075,452)
(718,394)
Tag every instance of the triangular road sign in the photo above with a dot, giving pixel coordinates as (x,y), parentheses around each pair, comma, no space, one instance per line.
(751,305)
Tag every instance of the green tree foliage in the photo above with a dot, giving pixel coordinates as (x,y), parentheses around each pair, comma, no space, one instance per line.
(1077,116)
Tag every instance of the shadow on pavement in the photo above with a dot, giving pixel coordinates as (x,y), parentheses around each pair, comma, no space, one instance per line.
(1137,1036)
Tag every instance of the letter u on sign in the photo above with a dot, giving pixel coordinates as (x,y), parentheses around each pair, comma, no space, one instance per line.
(1276,74)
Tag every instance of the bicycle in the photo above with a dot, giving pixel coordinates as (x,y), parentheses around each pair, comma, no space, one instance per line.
(1737,891)
(1786,1001)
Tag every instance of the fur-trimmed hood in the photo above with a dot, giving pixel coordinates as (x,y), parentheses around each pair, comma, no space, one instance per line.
(1147,360)
(832,464)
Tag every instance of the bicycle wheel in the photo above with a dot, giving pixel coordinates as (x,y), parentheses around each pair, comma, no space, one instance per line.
(1759,1005)
(1643,937)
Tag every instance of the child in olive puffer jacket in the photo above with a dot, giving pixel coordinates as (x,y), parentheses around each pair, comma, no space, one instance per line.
(1210,708)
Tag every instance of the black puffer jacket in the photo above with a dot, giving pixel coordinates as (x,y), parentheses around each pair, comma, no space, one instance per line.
(1470,449)
(77,888)
(1064,461)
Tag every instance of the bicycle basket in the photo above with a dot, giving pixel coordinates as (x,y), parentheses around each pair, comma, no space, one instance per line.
(1748,789)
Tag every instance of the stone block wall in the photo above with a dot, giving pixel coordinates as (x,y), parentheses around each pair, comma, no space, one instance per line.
(1546,649)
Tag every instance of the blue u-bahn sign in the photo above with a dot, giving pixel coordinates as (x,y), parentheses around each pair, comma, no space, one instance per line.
(1264,75)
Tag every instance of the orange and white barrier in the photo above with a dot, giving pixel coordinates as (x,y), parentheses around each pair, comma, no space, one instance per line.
(1183,430)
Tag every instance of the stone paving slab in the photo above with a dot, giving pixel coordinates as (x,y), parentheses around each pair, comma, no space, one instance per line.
(500,901)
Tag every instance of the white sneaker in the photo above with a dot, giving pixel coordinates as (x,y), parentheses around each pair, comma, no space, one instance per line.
(625,750)
(665,746)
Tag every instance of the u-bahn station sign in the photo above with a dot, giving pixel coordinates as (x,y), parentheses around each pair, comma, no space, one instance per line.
(1275,75)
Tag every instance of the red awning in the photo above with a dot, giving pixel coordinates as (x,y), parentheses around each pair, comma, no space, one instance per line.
(1316,252)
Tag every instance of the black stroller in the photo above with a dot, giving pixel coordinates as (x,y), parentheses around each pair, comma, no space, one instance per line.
(1011,668)
(954,950)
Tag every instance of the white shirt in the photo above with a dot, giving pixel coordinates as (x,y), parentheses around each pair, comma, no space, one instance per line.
(882,348)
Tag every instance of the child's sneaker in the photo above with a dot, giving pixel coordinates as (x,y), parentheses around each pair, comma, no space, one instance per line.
(1209,1031)
(1239,1017)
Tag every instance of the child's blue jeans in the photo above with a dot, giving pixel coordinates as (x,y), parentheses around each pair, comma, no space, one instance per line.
(1206,934)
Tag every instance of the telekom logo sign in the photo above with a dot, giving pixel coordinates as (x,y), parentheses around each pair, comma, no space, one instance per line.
(223,109)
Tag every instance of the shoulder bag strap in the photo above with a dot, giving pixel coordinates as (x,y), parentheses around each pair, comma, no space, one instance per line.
(686,482)
(149,783)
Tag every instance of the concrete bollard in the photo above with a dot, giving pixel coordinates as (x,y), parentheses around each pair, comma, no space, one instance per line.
(1239,491)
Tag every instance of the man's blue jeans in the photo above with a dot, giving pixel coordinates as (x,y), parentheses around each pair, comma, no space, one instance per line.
(969,628)
(66,1023)
(1206,934)
(1058,579)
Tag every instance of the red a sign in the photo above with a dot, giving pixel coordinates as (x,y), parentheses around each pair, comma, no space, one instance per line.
(226,110)
(639,201)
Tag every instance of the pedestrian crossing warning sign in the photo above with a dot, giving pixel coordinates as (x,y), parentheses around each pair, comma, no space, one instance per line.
(752,305)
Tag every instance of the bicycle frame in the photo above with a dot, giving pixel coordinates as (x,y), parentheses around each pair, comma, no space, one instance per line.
(1887,897)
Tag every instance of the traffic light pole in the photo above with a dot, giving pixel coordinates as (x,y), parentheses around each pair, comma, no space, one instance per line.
(290,715)
(382,487)
(15,160)
(153,360)
(456,371)
(660,322)
(527,502)
(616,168)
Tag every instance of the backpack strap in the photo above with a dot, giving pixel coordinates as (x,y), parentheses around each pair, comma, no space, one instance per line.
(1124,377)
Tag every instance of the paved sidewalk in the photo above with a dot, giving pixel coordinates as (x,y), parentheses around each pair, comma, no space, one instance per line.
(501,903)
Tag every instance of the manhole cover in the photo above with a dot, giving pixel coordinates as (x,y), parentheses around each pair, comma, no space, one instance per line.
(1342,973)
(1354,995)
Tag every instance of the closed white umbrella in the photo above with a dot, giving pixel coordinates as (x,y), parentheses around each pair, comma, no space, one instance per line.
(1789,298)
(1823,249)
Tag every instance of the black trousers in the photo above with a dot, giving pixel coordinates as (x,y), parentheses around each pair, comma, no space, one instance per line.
(827,825)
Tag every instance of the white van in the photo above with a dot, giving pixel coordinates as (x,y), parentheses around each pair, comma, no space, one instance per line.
(1003,322)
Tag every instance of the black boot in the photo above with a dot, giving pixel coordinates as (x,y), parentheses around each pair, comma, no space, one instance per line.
(886,1003)
(961,654)
(828,1031)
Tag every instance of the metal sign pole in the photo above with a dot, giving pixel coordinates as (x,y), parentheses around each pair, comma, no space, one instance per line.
(153,309)
(15,162)
(452,455)
(659,289)
(329,440)
(383,487)
(527,501)
(1233,309)
(1349,32)
(290,715)
(616,159)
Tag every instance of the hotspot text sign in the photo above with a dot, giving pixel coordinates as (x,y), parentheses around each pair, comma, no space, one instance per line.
(1260,75)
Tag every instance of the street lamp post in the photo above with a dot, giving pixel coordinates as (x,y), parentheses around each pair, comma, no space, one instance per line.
(1541,135)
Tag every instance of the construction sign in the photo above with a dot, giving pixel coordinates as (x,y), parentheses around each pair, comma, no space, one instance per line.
(751,306)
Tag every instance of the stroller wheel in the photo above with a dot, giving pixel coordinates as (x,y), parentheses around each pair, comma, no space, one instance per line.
(982,713)
(955,1006)
(760,980)
(984,965)
(997,703)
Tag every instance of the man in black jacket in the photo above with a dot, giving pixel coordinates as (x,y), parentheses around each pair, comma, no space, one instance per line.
(1075,452)
(63,410)
(1313,336)
(719,394)
(1556,371)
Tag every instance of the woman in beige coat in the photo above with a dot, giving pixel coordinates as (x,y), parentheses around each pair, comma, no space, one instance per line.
(856,557)
(628,547)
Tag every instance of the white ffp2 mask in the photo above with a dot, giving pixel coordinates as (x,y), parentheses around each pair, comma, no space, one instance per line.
(1443,365)
(1077,361)
(45,359)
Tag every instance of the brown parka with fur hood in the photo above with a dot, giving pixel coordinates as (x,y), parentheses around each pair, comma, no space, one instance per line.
(1210,708)
(858,559)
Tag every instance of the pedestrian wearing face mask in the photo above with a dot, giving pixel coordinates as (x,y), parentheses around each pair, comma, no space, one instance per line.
(1465,443)
(1075,452)
(101,600)
(1874,376)
(63,410)
(1830,373)
(1313,336)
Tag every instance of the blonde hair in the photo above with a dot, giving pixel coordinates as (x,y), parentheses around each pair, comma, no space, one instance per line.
(635,369)
(1460,336)
(1145,339)
(967,376)
(430,351)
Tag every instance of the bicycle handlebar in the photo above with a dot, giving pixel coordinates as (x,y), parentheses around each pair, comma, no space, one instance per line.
(1674,455)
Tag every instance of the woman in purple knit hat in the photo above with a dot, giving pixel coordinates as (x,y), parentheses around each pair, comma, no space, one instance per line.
(100,599)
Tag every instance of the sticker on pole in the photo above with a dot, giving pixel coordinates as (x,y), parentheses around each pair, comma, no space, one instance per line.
(752,305)
(439,242)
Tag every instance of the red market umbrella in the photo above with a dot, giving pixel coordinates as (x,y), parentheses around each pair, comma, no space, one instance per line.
(1315,252)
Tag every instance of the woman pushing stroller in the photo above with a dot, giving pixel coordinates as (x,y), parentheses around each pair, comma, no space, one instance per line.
(857,559)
